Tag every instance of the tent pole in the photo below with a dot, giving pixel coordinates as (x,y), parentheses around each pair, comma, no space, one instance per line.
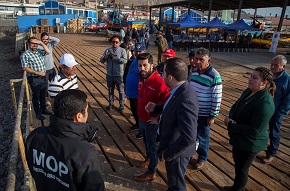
(150,18)
(159,23)
(240,10)
(172,14)
(282,15)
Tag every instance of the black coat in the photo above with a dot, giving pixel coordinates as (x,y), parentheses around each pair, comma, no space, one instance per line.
(61,158)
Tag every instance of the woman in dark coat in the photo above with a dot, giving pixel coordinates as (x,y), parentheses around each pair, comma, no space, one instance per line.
(247,124)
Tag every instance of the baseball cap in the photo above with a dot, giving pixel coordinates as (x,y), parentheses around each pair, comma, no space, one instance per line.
(191,54)
(169,52)
(139,46)
(68,60)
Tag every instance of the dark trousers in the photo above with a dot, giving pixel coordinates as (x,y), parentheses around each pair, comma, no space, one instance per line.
(38,87)
(133,106)
(112,82)
(50,74)
(175,170)
(243,161)
(159,57)
(274,135)
(147,43)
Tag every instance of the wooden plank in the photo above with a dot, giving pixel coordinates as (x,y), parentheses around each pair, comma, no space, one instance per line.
(219,170)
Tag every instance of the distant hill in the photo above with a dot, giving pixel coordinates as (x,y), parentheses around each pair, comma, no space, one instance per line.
(145,2)
(126,2)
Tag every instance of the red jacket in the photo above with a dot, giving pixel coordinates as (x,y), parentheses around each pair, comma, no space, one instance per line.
(151,89)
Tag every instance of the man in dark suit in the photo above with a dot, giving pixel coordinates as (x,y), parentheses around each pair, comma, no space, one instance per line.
(178,123)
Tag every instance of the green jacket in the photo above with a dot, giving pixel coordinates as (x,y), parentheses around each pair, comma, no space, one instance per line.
(252,117)
(162,44)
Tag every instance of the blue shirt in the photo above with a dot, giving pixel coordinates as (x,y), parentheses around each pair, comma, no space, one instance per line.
(132,80)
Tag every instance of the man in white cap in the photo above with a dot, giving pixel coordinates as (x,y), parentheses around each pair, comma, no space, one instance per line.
(66,77)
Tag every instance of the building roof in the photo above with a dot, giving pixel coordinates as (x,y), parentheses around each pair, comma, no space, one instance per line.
(224,4)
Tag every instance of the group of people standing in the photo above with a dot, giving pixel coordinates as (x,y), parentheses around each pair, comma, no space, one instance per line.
(59,156)
(141,35)
(174,106)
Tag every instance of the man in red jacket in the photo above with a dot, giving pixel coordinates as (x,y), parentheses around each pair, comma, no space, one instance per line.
(151,88)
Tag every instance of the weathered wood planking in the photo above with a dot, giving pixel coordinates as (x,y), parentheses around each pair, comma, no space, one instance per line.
(114,129)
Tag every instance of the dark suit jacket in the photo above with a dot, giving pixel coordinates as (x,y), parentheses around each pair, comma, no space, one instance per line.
(178,124)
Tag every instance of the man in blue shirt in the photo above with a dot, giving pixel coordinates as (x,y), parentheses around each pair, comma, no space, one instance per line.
(282,104)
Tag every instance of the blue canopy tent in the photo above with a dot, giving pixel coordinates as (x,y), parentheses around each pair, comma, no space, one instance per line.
(187,22)
(216,23)
(241,25)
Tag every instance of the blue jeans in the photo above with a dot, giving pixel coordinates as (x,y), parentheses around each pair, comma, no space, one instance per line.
(170,44)
(149,133)
(175,170)
(274,127)
(203,138)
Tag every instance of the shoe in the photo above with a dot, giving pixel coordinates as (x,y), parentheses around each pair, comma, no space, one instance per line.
(143,164)
(228,188)
(199,165)
(40,117)
(139,136)
(121,109)
(145,177)
(268,159)
(134,128)
(46,112)
(108,108)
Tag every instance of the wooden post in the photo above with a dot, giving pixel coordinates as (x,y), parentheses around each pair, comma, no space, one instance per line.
(282,15)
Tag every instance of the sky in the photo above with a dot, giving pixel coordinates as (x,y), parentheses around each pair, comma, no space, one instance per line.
(269,11)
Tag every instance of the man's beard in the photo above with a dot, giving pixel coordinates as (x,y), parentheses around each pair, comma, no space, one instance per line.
(145,75)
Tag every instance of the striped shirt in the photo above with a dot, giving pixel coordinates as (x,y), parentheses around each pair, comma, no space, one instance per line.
(33,60)
(208,87)
(60,82)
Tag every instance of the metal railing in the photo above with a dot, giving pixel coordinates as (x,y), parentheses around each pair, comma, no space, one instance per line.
(19,136)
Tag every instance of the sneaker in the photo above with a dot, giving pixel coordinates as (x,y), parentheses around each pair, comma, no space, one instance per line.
(139,136)
(268,159)
(108,108)
(40,117)
(46,112)
(134,128)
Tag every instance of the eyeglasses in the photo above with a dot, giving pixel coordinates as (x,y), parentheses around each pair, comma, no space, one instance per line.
(116,42)
(45,38)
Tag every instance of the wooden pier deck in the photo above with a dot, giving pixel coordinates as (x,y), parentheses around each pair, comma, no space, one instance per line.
(120,151)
